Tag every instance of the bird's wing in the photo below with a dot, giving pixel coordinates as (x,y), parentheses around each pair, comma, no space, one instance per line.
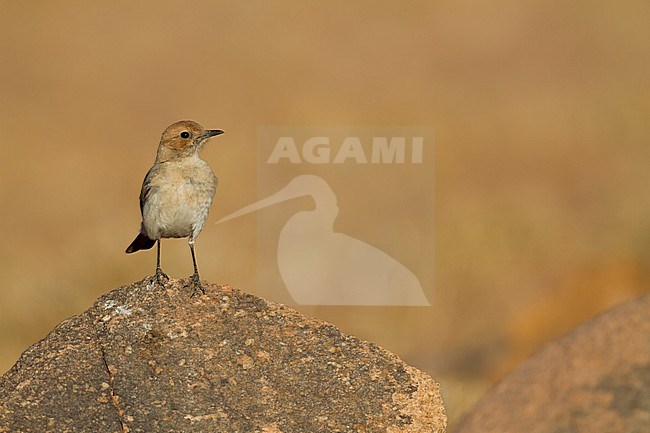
(147,188)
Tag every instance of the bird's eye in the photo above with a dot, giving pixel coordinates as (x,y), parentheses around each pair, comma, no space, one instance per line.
(185,134)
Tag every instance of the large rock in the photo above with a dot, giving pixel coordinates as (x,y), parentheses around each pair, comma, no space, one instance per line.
(595,379)
(151,359)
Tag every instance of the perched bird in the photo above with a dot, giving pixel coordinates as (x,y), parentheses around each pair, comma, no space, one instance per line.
(176,193)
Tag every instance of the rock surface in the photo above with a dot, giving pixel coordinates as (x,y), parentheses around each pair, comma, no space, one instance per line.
(595,379)
(150,359)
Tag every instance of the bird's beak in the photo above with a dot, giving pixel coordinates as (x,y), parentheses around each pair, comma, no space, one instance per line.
(211,133)
(297,187)
(278,197)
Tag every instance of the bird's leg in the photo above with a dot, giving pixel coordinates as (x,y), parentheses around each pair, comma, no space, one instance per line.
(195,280)
(161,277)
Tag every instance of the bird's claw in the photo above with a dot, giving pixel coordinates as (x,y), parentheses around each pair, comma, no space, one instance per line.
(195,284)
(161,277)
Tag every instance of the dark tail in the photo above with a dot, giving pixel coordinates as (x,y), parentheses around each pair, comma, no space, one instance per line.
(141,242)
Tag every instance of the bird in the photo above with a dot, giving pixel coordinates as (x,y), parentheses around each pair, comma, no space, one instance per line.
(320,266)
(176,194)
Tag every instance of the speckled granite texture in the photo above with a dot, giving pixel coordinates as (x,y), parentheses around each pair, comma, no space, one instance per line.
(150,359)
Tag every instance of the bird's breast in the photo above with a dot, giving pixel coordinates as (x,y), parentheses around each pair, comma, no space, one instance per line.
(181,201)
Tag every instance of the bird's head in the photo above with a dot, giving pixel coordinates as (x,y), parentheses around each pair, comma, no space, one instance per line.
(182,139)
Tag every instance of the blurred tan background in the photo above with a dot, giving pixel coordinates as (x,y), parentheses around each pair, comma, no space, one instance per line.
(541,116)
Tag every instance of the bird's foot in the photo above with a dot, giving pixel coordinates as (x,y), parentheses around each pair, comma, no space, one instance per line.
(195,284)
(161,277)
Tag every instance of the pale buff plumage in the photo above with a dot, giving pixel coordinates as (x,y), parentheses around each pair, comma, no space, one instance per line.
(177,192)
